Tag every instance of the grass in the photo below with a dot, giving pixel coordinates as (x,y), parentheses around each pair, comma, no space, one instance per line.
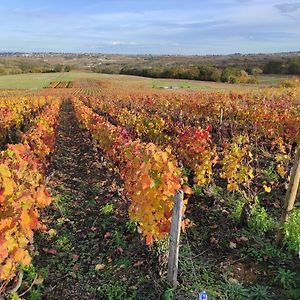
(193,85)
(264,80)
(38,81)
(272,79)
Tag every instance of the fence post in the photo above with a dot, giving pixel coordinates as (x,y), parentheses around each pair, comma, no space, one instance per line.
(290,197)
(174,238)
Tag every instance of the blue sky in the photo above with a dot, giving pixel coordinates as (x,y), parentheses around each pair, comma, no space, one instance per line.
(156,26)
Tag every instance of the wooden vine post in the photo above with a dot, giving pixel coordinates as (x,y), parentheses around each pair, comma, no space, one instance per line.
(290,197)
(174,238)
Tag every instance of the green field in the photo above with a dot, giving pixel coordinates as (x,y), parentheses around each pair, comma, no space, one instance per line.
(40,80)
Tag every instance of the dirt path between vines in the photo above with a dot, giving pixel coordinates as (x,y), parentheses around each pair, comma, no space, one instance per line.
(90,250)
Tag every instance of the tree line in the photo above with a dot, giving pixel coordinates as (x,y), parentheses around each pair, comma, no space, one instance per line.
(203,72)
(22,66)
(289,66)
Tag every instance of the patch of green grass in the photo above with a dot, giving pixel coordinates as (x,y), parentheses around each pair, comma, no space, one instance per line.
(269,251)
(192,85)
(107,209)
(168,294)
(238,291)
(125,261)
(235,291)
(40,80)
(60,205)
(260,221)
(272,79)
(27,81)
(286,278)
(197,275)
(35,277)
(63,242)
(237,202)
(269,174)
(259,292)
(294,294)
(197,189)
(116,291)
(131,226)
(292,231)
(118,239)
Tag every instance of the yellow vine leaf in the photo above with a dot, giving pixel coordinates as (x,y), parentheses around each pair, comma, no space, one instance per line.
(8,186)
(4,171)
(6,269)
(21,255)
(267,188)
(280,170)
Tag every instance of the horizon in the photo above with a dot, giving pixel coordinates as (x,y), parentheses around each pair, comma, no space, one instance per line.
(147,54)
(132,27)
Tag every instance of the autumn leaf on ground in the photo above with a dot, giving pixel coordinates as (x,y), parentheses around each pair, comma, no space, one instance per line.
(52,232)
(50,251)
(75,257)
(267,188)
(39,280)
(232,245)
(75,267)
(213,240)
(137,264)
(215,226)
(120,250)
(242,239)
(107,235)
(99,267)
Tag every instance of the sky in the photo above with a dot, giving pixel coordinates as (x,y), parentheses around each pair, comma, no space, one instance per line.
(150,27)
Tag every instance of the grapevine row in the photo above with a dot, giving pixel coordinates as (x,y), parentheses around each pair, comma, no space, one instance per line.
(151,176)
(15,111)
(23,191)
(192,145)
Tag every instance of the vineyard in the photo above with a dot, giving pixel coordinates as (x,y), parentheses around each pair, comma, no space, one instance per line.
(88,174)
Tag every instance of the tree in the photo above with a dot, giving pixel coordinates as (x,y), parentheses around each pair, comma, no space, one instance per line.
(58,68)
(226,75)
(273,67)
(67,68)
(2,70)
(294,67)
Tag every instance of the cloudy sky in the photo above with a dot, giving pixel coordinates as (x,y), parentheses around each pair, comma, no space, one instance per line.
(156,26)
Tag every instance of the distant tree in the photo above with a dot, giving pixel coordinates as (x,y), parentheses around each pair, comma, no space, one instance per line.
(209,73)
(273,67)
(256,71)
(203,72)
(233,79)
(58,68)
(67,68)
(107,71)
(216,75)
(193,73)
(293,67)
(25,66)
(226,75)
